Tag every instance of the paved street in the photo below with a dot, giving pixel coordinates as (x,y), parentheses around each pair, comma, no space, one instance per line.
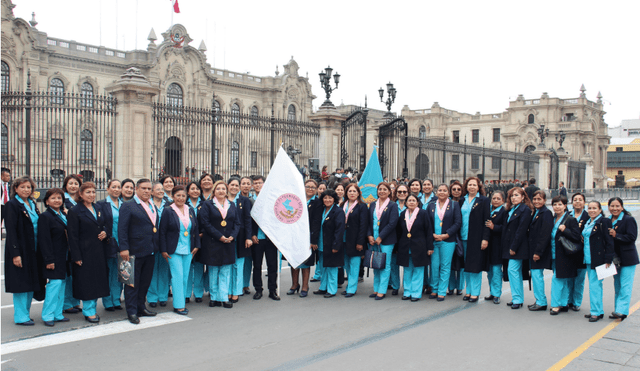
(315,333)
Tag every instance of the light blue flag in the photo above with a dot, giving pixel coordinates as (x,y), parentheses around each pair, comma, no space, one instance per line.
(371,177)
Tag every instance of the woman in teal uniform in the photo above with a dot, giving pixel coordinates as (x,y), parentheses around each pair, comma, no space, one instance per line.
(624,232)
(70,186)
(494,230)
(111,208)
(355,236)
(330,243)
(243,241)
(159,289)
(576,285)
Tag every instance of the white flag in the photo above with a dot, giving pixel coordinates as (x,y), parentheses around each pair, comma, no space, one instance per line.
(280,210)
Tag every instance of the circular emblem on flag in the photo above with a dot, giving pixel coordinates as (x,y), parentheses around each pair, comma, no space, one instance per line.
(288,208)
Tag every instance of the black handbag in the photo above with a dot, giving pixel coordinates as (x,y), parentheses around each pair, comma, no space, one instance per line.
(569,246)
(375,259)
(459,246)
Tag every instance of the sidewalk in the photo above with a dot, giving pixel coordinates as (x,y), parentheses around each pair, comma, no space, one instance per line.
(618,349)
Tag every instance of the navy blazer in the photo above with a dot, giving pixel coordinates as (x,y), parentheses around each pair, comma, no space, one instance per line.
(136,231)
(170,225)
(624,244)
(332,238)
(68,204)
(213,251)
(315,208)
(582,220)
(477,260)
(451,222)
(356,230)
(246,227)
(20,242)
(387,223)
(53,245)
(514,233)
(112,246)
(418,244)
(539,238)
(601,243)
(567,265)
(494,236)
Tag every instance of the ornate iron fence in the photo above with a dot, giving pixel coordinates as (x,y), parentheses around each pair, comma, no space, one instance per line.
(48,136)
(190,141)
(353,140)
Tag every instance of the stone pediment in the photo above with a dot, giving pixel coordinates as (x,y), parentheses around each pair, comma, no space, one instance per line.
(176,36)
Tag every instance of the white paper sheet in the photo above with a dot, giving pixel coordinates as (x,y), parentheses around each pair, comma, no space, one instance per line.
(604,272)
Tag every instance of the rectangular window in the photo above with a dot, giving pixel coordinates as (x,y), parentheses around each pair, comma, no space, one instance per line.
(620,172)
(56,149)
(456,136)
(495,163)
(475,136)
(455,162)
(618,149)
(496,135)
(110,152)
(216,158)
(475,162)
(254,159)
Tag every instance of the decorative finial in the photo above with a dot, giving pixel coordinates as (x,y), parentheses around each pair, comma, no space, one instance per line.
(582,90)
(202,47)
(152,36)
(365,101)
(277,72)
(599,96)
(33,22)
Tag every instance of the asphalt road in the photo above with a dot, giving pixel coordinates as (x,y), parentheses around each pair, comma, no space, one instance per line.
(311,333)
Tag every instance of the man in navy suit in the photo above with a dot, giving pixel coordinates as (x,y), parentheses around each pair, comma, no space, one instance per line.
(138,236)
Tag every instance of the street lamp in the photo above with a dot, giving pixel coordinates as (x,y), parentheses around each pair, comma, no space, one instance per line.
(325,83)
(560,138)
(542,133)
(391,98)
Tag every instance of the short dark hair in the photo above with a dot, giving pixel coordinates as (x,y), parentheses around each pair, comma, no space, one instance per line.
(539,193)
(234,178)
(143,180)
(20,181)
(6,170)
(258,177)
(559,198)
(578,194)
(532,181)
(168,177)
(68,178)
(624,211)
(125,181)
(177,189)
(51,192)
(332,193)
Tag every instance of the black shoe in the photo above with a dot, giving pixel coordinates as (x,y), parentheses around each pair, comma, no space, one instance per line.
(574,308)
(257,295)
(554,311)
(293,291)
(449,292)
(134,319)
(273,295)
(537,307)
(343,293)
(64,319)
(415,299)
(619,316)
(153,305)
(147,313)
(458,292)
(394,292)
(96,319)
(303,294)
(490,297)
(590,316)
(314,280)
(28,323)
(466,297)
(49,323)
(496,300)
(373,295)
(473,300)
(110,309)
(198,300)
(227,305)
(163,303)
(380,297)
(433,295)
(72,310)
(183,312)
(510,303)
(213,303)
(516,306)
(440,298)
(320,292)
(564,309)
(117,307)
(327,295)
(349,295)
(233,300)
(596,318)
(531,305)
(406,298)
(246,291)
(187,300)
(339,286)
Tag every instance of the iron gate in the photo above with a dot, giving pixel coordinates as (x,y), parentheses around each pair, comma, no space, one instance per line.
(353,140)
(393,146)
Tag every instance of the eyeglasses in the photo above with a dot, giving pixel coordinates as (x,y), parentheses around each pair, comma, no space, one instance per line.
(308,187)
(401,192)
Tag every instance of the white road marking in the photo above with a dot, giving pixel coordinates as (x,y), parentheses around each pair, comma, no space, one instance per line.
(91,333)
(5,361)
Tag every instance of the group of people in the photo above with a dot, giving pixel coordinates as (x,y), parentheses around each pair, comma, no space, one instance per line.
(191,239)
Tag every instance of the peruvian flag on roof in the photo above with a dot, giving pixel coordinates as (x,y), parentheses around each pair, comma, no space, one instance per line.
(176,7)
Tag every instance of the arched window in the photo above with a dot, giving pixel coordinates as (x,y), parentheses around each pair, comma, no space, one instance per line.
(291,113)
(5,77)
(215,107)
(254,115)
(56,90)
(5,141)
(531,119)
(86,93)
(174,96)
(86,147)
(235,156)
(422,132)
(235,113)
(529,149)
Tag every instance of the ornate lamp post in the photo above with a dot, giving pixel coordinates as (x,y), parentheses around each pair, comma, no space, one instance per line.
(325,83)
(560,138)
(391,98)
(542,133)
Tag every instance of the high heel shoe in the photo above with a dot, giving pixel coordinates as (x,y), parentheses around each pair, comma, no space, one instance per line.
(303,294)
(293,291)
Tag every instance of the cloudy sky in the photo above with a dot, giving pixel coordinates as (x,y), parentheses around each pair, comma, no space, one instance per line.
(467,55)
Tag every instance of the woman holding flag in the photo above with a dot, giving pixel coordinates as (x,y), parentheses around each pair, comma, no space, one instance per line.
(415,246)
(220,221)
(330,243)
(356,216)
(383,218)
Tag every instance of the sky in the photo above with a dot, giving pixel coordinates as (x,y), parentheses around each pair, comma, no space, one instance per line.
(469,56)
